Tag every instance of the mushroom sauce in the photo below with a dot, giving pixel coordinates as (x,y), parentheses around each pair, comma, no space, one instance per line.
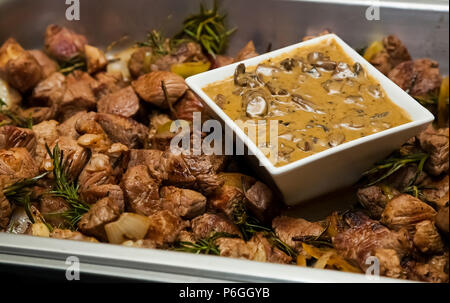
(320,97)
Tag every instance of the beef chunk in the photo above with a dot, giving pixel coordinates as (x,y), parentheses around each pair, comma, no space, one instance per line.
(427,238)
(418,78)
(434,270)
(247,52)
(20,69)
(365,237)
(52,208)
(204,168)
(393,54)
(140,60)
(221,60)
(123,103)
(47,97)
(108,83)
(207,224)
(46,133)
(442,218)
(436,190)
(13,136)
(186,52)
(287,228)
(74,154)
(226,199)
(390,265)
(141,191)
(185,203)
(63,44)
(5,211)
(165,228)
(48,65)
(435,143)
(373,199)
(261,202)
(271,253)
(187,106)
(101,213)
(238,248)
(70,235)
(405,211)
(16,164)
(94,193)
(79,95)
(123,130)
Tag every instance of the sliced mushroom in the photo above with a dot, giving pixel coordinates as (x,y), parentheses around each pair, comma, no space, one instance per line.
(304,104)
(343,71)
(336,139)
(289,63)
(239,75)
(256,103)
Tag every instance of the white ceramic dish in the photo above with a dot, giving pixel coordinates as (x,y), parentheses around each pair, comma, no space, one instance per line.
(333,168)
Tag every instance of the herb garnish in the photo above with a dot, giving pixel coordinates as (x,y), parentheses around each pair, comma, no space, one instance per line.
(14,118)
(76,63)
(204,246)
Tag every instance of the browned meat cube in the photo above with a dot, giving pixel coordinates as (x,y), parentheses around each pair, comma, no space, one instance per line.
(442,219)
(94,193)
(46,133)
(79,95)
(238,248)
(427,238)
(272,253)
(19,67)
(287,228)
(435,143)
(247,52)
(434,270)
(63,44)
(16,164)
(150,88)
(150,158)
(123,130)
(48,65)
(365,237)
(436,190)
(389,262)
(185,203)
(108,83)
(373,199)
(5,211)
(124,103)
(102,212)
(207,224)
(261,202)
(185,52)
(420,77)
(140,61)
(13,136)
(405,211)
(204,168)
(393,54)
(53,208)
(220,61)
(70,235)
(187,106)
(73,153)
(226,199)
(165,228)
(141,191)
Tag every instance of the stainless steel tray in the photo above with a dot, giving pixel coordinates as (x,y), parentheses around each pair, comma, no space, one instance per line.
(423,27)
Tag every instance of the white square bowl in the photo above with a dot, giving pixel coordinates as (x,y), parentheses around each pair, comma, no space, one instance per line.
(335,167)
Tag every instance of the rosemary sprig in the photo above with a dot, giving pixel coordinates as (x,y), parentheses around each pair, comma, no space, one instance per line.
(14,118)
(75,63)
(157,42)
(66,188)
(19,193)
(204,246)
(392,164)
(208,29)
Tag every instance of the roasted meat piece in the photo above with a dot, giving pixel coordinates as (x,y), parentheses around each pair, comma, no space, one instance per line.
(13,136)
(427,238)
(272,254)
(5,210)
(390,263)
(53,208)
(165,228)
(221,60)
(102,212)
(435,143)
(185,52)
(405,211)
(141,191)
(247,52)
(16,164)
(287,228)
(46,132)
(434,270)
(20,69)
(393,54)
(140,61)
(70,235)
(374,199)
(365,237)
(48,65)
(226,199)
(420,77)
(238,248)
(79,95)
(63,44)
(207,224)
(123,102)
(442,218)
(187,106)
(185,203)
(261,202)
(108,83)
(123,130)
(436,190)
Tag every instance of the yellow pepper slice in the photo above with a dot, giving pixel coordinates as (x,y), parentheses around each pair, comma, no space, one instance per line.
(443,103)
(190,68)
(373,49)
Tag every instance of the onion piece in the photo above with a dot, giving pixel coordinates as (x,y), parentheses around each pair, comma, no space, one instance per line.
(128,227)
(39,230)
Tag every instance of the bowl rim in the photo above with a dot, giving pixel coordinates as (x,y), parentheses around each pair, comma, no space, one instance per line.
(197,82)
